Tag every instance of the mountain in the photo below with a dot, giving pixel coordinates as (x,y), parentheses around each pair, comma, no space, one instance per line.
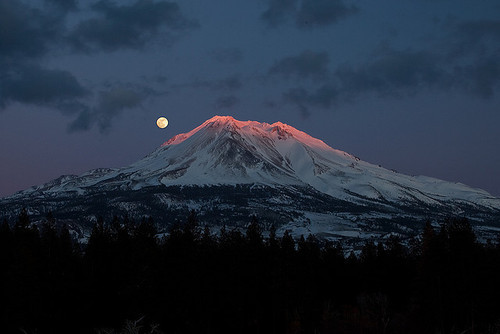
(228,170)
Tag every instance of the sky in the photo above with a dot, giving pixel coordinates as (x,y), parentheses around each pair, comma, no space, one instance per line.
(412,86)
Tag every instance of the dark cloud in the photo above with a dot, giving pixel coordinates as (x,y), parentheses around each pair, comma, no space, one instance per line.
(127,26)
(35,85)
(83,122)
(65,5)
(323,97)
(389,73)
(306,65)
(110,104)
(474,37)
(479,30)
(402,73)
(307,13)
(395,72)
(229,83)
(278,11)
(322,12)
(26,32)
(481,78)
(226,102)
(411,72)
(230,55)
(465,61)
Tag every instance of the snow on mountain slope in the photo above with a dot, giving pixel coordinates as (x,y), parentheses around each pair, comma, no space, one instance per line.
(225,151)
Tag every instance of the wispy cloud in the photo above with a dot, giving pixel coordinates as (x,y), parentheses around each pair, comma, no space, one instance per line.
(313,13)
(306,13)
(128,26)
(465,61)
(26,32)
(278,11)
(110,104)
(226,102)
(308,64)
(35,85)
(228,55)
(65,5)
(229,83)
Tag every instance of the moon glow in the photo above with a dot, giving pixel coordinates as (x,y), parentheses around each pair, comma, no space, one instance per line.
(162,122)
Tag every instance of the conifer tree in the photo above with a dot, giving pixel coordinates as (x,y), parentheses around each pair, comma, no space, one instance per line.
(48,237)
(99,241)
(6,242)
(23,220)
(254,234)
(287,243)
(146,231)
(272,241)
(66,244)
(5,232)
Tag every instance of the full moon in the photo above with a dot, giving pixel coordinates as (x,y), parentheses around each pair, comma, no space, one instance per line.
(162,122)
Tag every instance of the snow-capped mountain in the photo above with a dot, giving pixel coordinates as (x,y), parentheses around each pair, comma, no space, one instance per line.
(229,169)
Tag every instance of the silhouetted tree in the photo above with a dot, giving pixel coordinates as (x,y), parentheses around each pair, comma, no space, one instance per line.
(68,248)
(23,220)
(272,241)
(309,247)
(287,244)
(99,240)
(191,224)
(5,238)
(254,234)
(146,231)
(48,236)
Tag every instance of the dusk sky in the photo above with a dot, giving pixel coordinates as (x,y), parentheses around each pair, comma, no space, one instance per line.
(410,85)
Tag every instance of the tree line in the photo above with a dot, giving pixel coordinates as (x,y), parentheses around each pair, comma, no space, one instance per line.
(127,279)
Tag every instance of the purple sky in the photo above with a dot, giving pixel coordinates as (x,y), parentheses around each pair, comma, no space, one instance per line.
(410,85)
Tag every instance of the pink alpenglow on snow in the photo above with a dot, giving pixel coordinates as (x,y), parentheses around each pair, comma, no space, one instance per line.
(277,130)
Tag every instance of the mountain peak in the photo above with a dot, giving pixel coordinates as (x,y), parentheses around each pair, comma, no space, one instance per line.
(214,122)
(224,121)
(221,119)
(278,129)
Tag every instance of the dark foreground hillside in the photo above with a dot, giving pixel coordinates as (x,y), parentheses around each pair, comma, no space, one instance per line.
(127,281)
